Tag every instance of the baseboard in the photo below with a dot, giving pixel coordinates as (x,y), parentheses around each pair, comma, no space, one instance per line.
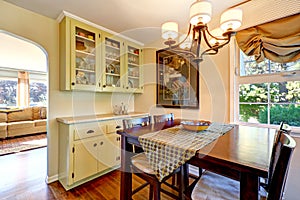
(51,179)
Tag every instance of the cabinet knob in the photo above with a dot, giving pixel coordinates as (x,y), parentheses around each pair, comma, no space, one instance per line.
(101,143)
(73,83)
(104,86)
(127,87)
(95,144)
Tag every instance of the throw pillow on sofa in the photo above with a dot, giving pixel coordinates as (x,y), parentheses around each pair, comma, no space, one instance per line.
(43,112)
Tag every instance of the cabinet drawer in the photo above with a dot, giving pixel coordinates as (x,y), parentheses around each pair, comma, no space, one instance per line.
(82,131)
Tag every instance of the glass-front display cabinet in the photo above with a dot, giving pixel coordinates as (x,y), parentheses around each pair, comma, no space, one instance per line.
(134,68)
(113,62)
(85,57)
(92,59)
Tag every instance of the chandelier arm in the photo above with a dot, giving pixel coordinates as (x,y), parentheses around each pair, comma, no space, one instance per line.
(217,38)
(222,45)
(215,48)
(199,44)
(205,38)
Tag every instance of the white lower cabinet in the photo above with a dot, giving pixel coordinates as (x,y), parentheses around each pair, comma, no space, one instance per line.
(87,151)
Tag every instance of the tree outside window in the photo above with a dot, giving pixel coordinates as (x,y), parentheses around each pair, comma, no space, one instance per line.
(8,92)
(37,93)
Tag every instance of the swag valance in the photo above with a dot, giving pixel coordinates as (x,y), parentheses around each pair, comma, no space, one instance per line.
(278,40)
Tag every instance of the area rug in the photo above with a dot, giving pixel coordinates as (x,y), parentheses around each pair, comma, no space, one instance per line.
(15,147)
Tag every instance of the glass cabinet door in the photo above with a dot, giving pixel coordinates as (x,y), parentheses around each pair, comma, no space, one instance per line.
(84,57)
(112,73)
(134,70)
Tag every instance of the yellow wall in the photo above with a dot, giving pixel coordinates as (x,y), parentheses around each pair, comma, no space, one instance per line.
(44,31)
(213,92)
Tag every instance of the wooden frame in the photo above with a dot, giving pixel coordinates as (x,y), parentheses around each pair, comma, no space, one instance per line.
(177,81)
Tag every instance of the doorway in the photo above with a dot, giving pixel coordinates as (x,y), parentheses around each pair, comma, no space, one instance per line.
(23,94)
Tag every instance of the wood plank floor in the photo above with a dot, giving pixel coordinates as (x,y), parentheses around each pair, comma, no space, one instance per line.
(22,177)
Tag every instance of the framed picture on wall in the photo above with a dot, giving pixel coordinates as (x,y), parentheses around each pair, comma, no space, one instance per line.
(177,81)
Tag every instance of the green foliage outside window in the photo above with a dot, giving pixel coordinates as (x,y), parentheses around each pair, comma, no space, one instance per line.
(254,100)
(290,114)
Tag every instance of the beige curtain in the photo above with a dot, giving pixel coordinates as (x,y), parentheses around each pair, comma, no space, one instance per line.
(23,89)
(278,40)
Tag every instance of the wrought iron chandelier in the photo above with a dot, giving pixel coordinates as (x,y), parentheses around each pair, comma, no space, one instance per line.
(200,15)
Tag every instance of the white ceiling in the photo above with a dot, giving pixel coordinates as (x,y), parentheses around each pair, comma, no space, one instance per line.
(141,19)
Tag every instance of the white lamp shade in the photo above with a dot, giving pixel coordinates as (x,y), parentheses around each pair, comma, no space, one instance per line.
(200,11)
(187,43)
(231,19)
(169,30)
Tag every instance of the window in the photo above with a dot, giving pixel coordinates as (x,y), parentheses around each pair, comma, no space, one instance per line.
(22,89)
(37,92)
(8,92)
(268,92)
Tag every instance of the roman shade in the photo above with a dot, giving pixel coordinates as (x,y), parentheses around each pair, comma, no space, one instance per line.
(278,40)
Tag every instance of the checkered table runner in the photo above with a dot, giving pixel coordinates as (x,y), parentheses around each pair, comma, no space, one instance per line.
(168,149)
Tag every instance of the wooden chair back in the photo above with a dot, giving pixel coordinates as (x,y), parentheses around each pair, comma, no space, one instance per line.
(280,159)
(285,127)
(136,122)
(163,118)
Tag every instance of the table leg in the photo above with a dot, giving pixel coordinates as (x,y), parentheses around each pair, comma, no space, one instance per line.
(249,186)
(126,176)
(184,180)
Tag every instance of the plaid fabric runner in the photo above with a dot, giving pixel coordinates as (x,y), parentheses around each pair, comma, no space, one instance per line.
(168,149)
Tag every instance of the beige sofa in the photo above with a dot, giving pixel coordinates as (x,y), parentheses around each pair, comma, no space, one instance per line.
(23,121)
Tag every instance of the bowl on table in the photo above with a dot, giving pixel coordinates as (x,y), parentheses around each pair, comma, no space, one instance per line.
(196,125)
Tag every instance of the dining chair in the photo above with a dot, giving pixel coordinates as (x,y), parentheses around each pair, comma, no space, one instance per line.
(285,127)
(163,117)
(263,182)
(141,167)
(214,186)
(136,122)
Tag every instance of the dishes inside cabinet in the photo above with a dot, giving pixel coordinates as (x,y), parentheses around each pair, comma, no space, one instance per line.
(110,68)
(81,78)
(80,46)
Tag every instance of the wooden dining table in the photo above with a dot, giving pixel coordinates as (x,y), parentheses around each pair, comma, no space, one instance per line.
(243,153)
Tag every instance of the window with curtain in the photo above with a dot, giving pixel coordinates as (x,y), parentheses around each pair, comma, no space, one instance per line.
(268,81)
(268,92)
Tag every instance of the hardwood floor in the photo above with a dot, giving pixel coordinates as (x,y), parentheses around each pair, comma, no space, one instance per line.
(22,177)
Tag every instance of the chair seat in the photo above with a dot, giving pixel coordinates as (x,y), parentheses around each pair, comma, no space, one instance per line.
(141,162)
(212,186)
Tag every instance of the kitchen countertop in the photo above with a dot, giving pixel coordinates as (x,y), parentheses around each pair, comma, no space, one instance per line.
(99,117)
